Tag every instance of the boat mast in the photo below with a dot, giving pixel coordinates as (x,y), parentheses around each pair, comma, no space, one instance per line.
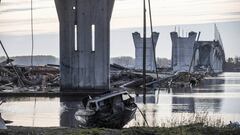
(144,52)
(153,46)
(32,38)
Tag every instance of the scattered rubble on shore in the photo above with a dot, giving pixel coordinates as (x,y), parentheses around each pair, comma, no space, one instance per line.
(15,78)
(20,78)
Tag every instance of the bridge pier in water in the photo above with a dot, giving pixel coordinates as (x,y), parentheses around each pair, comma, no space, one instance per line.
(84,44)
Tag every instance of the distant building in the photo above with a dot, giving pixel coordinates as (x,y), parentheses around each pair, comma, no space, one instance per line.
(138,42)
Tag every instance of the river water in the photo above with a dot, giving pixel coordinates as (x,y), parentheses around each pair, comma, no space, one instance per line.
(216,101)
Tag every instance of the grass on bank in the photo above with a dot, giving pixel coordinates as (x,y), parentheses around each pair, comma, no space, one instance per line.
(193,129)
(193,124)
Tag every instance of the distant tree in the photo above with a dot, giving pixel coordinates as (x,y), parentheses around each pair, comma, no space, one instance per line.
(125,61)
(163,62)
(237,60)
(230,60)
(2,58)
(38,60)
(232,64)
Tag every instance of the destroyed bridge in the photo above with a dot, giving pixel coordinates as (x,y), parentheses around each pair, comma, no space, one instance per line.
(85,47)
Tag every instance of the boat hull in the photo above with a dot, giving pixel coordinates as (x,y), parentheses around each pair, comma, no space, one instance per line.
(115,120)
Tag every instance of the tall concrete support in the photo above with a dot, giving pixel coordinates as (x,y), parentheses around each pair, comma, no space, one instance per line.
(138,42)
(182,51)
(84,43)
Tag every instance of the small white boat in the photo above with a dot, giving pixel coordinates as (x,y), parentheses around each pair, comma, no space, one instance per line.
(111,110)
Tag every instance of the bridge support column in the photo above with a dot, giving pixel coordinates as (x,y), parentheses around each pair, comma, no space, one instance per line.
(84,43)
(182,51)
(138,42)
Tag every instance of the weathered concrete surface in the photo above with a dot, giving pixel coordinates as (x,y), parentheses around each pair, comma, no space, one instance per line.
(182,51)
(83,64)
(138,42)
(209,55)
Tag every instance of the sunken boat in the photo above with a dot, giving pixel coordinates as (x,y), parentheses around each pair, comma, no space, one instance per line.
(111,110)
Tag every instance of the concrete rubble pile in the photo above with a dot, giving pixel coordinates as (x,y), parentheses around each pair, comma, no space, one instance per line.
(124,77)
(35,77)
(45,78)
(178,80)
(128,79)
(185,79)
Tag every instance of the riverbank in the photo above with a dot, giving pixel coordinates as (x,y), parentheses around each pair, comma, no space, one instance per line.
(193,129)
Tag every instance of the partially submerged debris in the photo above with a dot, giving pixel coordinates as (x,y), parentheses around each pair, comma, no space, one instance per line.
(133,79)
(178,80)
(185,79)
(137,82)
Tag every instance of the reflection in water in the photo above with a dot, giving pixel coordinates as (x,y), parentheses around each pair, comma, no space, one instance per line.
(207,98)
(208,105)
(34,111)
(212,81)
(150,98)
(23,112)
(70,105)
(193,104)
(182,104)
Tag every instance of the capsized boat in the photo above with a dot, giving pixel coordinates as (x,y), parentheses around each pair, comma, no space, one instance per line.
(111,110)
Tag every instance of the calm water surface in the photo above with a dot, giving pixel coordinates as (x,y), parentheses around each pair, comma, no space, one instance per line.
(217,98)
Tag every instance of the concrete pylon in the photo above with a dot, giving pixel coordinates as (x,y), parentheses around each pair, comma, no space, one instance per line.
(182,51)
(138,42)
(84,43)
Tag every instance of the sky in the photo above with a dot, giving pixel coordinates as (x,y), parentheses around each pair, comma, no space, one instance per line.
(187,15)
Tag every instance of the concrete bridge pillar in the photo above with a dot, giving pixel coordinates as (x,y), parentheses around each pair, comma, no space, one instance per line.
(182,51)
(138,42)
(84,43)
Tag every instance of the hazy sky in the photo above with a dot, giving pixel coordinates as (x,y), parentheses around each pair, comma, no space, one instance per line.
(126,18)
